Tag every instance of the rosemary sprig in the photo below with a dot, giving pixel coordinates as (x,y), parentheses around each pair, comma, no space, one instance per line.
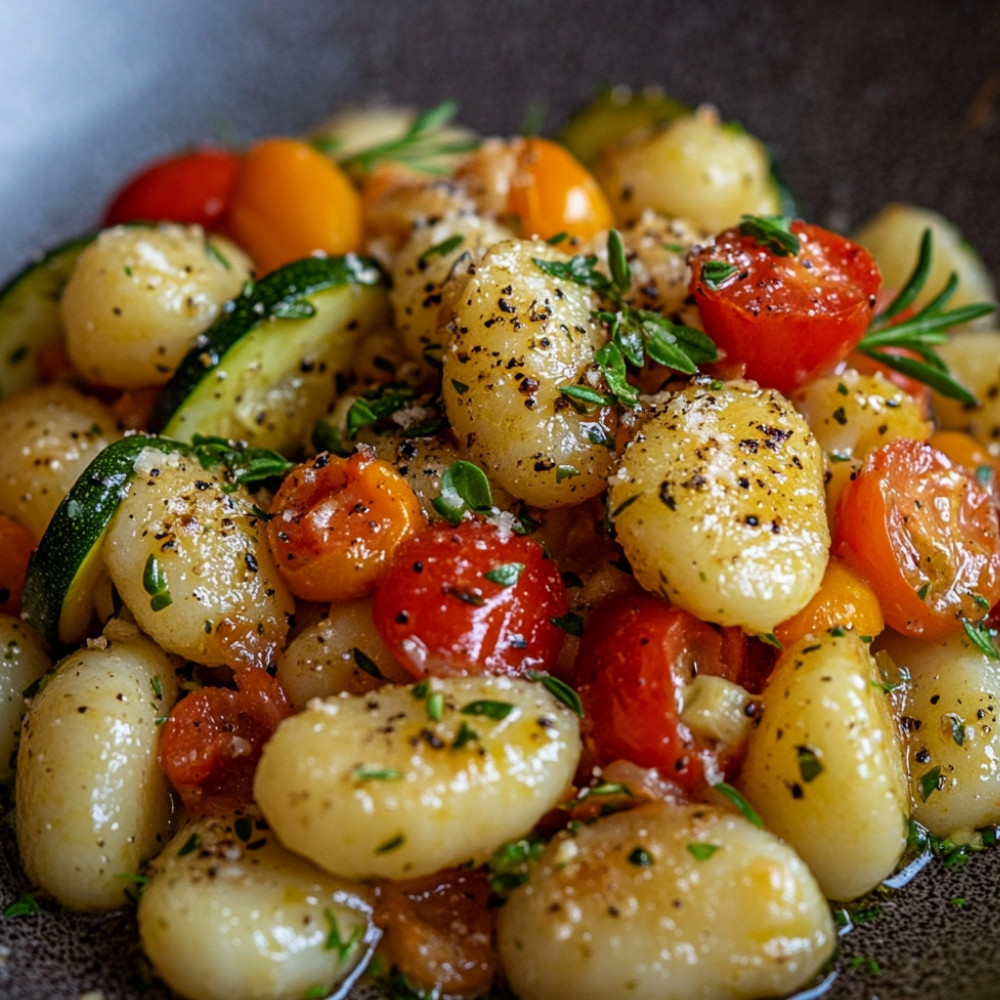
(922,332)
(637,335)
(417,147)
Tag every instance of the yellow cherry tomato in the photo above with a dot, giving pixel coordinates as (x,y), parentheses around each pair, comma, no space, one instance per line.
(288,201)
(551,192)
(843,599)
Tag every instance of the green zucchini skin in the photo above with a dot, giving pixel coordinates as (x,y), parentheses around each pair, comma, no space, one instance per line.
(67,567)
(264,372)
(29,314)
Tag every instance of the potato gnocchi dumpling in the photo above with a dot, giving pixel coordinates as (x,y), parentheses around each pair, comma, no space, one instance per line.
(92,804)
(139,296)
(823,765)
(408,780)
(228,912)
(665,902)
(186,551)
(718,504)
(952,739)
(23,661)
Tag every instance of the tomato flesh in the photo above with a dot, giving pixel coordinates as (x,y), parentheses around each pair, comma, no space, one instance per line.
(787,319)
(923,532)
(637,653)
(192,188)
(440,612)
(213,738)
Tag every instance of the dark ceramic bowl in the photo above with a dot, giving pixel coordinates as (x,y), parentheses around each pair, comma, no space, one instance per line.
(860,103)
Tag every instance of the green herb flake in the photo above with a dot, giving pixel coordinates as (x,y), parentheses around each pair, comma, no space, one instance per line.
(334,941)
(435,706)
(922,592)
(560,690)
(571,623)
(192,844)
(460,387)
(390,845)
(243,828)
(367,664)
(465,735)
(715,273)
(931,782)
(773,232)
(727,791)
(506,574)
(810,764)
(491,709)
(840,416)
(442,249)
(957,725)
(245,464)
(587,398)
(23,906)
(421,689)
(377,774)
(981,636)
(701,851)
(566,472)
(510,864)
(464,487)
(640,857)
(154,582)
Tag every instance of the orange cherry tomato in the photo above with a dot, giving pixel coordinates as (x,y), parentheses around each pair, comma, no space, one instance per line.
(551,192)
(471,599)
(788,318)
(336,522)
(637,653)
(16,545)
(844,599)
(212,740)
(192,188)
(288,200)
(923,532)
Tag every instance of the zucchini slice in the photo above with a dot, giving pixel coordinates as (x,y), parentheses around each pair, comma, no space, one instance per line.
(66,570)
(29,314)
(265,371)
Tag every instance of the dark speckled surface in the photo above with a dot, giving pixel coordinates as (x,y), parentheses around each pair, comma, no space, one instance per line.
(861,103)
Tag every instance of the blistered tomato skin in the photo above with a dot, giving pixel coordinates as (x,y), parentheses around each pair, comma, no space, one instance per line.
(787,318)
(471,599)
(923,532)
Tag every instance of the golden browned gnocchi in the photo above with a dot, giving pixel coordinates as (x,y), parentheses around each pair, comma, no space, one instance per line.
(718,504)
(411,779)
(823,765)
(661,902)
(517,336)
(186,551)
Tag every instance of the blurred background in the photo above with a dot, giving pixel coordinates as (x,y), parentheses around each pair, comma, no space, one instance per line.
(860,102)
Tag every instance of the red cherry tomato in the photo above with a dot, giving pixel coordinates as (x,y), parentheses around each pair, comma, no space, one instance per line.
(212,741)
(637,652)
(192,188)
(789,318)
(923,532)
(470,599)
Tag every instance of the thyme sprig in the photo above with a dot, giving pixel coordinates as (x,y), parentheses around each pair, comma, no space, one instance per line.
(417,147)
(636,335)
(922,332)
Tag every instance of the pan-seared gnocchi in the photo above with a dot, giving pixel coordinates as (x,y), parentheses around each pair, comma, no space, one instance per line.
(718,505)
(412,779)
(228,912)
(92,805)
(620,715)
(665,902)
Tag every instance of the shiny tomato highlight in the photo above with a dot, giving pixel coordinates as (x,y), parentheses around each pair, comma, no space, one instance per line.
(787,319)
(471,599)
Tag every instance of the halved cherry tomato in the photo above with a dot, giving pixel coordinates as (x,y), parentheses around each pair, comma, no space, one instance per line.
(636,655)
(213,738)
(16,544)
(788,318)
(288,201)
(551,192)
(192,188)
(335,523)
(471,599)
(923,532)
(438,931)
